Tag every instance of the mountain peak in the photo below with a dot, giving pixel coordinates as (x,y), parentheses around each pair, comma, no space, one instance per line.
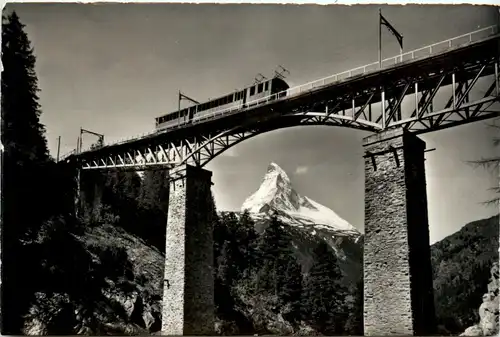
(275,169)
(276,193)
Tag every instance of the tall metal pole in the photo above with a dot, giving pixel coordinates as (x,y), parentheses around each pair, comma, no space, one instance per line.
(382,101)
(81,140)
(497,89)
(179,109)
(58,147)
(379,38)
(78,192)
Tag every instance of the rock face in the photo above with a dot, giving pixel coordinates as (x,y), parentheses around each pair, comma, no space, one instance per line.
(128,303)
(489,309)
(308,221)
(276,194)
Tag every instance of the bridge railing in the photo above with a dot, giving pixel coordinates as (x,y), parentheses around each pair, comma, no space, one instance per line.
(407,56)
(66,155)
(416,53)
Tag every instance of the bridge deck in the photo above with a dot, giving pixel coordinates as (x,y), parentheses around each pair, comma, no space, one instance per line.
(358,83)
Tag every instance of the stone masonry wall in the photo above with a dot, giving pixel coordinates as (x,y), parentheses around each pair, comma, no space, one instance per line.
(422,289)
(188,295)
(396,296)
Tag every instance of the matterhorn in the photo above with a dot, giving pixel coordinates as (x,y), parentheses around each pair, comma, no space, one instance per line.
(277,195)
(307,221)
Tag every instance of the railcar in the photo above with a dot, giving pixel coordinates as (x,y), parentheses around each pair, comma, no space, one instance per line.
(241,99)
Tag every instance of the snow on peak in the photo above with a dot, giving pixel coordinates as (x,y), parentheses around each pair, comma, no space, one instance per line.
(276,193)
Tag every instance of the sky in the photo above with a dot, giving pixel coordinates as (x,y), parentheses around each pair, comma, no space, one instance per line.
(112,68)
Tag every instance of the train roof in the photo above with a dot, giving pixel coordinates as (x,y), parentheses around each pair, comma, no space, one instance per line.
(274,79)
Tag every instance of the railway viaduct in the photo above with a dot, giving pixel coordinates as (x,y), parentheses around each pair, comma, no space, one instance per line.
(396,101)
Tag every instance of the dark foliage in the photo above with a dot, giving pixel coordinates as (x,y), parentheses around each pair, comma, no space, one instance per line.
(354,323)
(275,277)
(46,273)
(44,263)
(28,196)
(325,310)
(461,270)
(123,199)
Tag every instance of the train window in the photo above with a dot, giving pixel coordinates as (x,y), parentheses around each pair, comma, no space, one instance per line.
(252,91)
(230,99)
(260,88)
(267,86)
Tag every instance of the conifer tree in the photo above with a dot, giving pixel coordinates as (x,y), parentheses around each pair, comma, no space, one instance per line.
(290,287)
(26,193)
(155,190)
(280,274)
(22,133)
(324,302)
(25,147)
(248,241)
(231,260)
(354,323)
(275,241)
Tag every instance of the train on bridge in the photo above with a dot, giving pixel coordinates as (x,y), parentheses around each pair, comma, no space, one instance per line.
(275,88)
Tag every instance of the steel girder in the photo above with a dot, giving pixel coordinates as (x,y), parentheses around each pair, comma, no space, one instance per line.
(198,151)
(373,102)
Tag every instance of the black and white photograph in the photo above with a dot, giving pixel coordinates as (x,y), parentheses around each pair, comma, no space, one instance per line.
(250,169)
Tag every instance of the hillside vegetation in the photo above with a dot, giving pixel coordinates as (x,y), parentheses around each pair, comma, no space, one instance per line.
(461,270)
(101,272)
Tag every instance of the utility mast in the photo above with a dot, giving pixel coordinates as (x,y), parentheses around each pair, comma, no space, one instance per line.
(100,139)
(259,78)
(280,72)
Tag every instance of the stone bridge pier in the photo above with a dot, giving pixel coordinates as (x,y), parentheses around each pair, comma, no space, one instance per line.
(398,289)
(188,295)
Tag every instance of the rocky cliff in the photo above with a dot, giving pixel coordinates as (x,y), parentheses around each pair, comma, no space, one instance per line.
(488,310)
(109,282)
